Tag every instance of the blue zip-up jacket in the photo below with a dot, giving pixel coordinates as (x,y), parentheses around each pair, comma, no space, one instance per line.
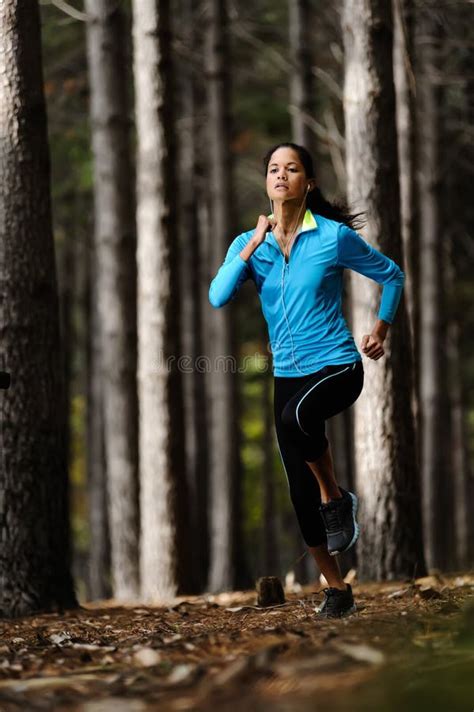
(301,298)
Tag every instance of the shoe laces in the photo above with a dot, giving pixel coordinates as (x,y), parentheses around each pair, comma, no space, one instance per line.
(332,518)
(331,594)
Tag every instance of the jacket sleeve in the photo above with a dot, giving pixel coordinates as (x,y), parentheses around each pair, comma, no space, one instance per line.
(356,254)
(233,272)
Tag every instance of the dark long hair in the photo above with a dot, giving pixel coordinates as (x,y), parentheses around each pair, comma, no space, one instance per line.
(315,200)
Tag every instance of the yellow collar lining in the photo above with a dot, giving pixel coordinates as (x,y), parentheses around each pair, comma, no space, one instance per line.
(309,221)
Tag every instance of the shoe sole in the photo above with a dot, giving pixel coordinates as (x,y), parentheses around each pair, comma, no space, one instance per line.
(356,527)
(352,609)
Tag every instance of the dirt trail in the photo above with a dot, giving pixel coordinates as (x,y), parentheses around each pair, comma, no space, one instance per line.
(409,647)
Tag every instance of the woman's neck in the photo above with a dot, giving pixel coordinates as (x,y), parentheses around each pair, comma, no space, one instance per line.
(287,214)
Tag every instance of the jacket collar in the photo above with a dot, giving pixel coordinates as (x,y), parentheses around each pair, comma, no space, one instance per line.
(309,223)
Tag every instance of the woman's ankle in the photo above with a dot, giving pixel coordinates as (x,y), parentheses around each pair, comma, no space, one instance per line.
(329,495)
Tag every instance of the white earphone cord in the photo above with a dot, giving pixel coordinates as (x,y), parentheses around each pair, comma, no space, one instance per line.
(296,224)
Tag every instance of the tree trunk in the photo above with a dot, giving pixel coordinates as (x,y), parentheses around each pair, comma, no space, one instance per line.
(458,462)
(191,193)
(34,512)
(432,377)
(387,476)
(114,232)
(163,495)
(301,78)
(271,558)
(99,548)
(224,464)
(66,284)
(403,62)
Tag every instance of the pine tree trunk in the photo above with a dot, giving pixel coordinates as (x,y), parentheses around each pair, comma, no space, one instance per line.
(191,192)
(99,549)
(432,377)
(403,62)
(458,462)
(387,476)
(163,494)
(271,559)
(116,290)
(34,513)
(224,461)
(66,284)
(301,78)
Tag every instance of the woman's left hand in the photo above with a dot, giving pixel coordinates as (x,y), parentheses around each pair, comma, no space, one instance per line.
(372,346)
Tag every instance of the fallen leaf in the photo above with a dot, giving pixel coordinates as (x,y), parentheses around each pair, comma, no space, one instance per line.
(361,652)
(60,638)
(147,657)
(432,580)
(400,593)
(92,646)
(257,608)
(181,674)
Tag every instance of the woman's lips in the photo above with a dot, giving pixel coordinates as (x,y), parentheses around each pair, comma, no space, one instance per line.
(278,187)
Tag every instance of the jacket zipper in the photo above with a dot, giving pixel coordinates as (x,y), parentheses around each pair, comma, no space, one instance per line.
(286,267)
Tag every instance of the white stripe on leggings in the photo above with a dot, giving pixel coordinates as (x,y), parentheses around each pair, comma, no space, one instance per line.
(317,384)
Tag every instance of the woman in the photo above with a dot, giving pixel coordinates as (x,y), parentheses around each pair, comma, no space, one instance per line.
(296,257)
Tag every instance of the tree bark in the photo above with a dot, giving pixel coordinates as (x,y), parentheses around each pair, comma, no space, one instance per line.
(432,377)
(99,548)
(192,192)
(34,513)
(404,75)
(301,78)
(271,558)
(114,232)
(224,463)
(458,462)
(163,495)
(385,452)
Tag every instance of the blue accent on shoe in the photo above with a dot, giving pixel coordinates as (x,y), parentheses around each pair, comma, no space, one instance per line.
(340,522)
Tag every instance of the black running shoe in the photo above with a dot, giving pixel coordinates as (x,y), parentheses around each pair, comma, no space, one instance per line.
(339,516)
(337,603)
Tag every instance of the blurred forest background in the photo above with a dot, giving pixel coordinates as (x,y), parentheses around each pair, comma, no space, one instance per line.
(244,76)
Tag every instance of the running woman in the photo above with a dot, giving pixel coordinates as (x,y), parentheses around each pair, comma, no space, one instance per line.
(296,257)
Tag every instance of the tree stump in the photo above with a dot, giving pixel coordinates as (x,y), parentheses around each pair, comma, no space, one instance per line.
(270,591)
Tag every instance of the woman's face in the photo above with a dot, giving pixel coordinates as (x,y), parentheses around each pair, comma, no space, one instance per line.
(286,177)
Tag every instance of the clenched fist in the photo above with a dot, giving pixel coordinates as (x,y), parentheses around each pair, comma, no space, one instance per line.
(372,346)
(263,226)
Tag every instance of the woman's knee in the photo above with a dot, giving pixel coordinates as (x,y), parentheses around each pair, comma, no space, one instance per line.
(317,449)
(293,420)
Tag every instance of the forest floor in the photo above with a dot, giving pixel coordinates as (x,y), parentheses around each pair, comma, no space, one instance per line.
(410,646)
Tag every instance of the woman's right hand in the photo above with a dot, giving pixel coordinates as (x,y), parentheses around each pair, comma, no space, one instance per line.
(264,225)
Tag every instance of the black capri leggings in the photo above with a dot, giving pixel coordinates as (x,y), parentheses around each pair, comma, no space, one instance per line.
(301,407)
